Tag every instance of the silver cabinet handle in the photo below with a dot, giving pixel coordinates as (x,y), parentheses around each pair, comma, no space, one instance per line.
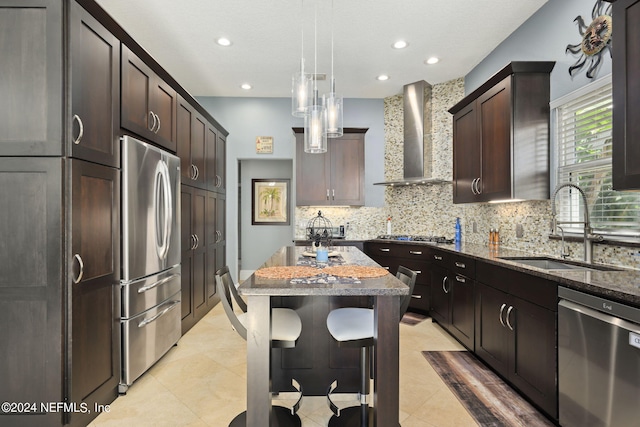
(444,282)
(333,194)
(158,283)
(437,257)
(385,267)
(507,317)
(152,319)
(416,296)
(218,181)
(500,315)
(197,172)
(461,265)
(478,189)
(152,116)
(473,185)
(81,270)
(193,241)
(218,236)
(385,249)
(197,241)
(327,194)
(461,279)
(415,252)
(80,129)
(158,128)
(418,271)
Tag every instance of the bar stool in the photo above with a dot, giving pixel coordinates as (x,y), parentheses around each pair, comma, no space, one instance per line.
(354,327)
(286,327)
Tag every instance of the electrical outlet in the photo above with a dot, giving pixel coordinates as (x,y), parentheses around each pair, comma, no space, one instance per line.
(475,227)
(519,231)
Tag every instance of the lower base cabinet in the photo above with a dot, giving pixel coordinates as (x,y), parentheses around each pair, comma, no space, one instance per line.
(517,337)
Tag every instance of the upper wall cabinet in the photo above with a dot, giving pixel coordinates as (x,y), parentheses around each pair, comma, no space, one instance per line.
(31,101)
(333,178)
(95,90)
(501,137)
(148,103)
(626,95)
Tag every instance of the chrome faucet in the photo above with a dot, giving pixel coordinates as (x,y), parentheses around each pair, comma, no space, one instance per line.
(589,237)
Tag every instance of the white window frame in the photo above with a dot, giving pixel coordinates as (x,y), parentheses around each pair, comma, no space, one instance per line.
(569,204)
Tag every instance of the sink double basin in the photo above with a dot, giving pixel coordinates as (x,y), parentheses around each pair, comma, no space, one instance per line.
(547,263)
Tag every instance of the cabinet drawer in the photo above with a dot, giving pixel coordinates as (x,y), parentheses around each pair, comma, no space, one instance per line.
(531,288)
(463,266)
(419,266)
(378,249)
(420,298)
(441,258)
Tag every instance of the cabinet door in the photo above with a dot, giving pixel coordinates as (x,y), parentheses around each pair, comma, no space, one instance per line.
(492,336)
(466,154)
(198,275)
(95,90)
(626,96)
(212,240)
(347,170)
(95,275)
(32,84)
(187,241)
(440,295)
(137,79)
(312,176)
(163,105)
(494,118)
(31,285)
(533,353)
(462,310)
(221,163)
(184,138)
(198,150)
(213,181)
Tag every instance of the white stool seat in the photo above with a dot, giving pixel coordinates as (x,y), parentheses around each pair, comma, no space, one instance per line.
(285,324)
(350,324)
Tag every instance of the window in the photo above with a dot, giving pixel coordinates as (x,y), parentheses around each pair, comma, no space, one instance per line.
(583,125)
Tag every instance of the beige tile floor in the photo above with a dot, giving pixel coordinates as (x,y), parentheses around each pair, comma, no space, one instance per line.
(202,382)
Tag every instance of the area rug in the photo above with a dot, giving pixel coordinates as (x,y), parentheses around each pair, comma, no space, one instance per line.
(488,399)
(412,319)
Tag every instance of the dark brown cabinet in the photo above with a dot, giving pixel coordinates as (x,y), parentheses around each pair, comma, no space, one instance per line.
(95,273)
(516,331)
(333,178)
(452,295)
(216,242)
(414,257)
(148,103)
(501,136)
(32,271)
(95,90)
(626,95)
(191,142)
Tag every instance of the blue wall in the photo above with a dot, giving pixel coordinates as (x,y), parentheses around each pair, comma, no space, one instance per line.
(544,37)
(247,118)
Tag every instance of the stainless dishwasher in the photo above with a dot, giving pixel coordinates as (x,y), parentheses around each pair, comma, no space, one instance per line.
(598,361)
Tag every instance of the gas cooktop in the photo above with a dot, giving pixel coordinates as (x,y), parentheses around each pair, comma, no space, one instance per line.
(414,238)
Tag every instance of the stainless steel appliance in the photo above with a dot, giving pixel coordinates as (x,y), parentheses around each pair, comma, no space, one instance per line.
(150,286)
(598,361)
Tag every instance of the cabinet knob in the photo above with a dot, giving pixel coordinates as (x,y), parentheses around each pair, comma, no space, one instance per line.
(415,252)
(80,129)
(461,279)
(437,257)
(461,265)
(385,249)
(416,296)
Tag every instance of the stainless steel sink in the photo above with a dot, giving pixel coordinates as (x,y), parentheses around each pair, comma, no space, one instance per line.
(555,264)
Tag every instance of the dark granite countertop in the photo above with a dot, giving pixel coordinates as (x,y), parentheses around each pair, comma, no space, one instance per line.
(387,285)
(622,286)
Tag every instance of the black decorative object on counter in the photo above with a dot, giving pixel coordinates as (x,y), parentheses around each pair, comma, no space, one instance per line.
(320,230)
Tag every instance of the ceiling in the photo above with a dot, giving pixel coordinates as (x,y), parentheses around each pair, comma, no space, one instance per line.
(266,38)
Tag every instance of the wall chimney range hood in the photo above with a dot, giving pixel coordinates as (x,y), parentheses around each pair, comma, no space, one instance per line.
(418,146)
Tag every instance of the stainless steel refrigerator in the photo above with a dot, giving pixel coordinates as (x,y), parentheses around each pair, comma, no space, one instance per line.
(150,286)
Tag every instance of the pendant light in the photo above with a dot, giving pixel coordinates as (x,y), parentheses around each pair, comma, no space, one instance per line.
(301,84)
(332,101)
(315,134)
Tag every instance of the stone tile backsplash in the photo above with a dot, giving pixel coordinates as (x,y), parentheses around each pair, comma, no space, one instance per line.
(429,210)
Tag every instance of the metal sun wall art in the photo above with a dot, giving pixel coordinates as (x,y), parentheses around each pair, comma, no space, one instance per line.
(596,39)
(270,202)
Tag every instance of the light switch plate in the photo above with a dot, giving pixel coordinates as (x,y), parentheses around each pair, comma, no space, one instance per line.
(519,231)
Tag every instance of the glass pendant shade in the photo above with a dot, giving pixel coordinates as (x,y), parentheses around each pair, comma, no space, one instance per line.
(315,136)
(301,92)
(333,106)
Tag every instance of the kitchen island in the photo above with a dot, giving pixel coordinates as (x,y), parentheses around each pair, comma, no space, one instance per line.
(387,292)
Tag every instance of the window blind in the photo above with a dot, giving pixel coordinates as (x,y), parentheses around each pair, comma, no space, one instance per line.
(584,143)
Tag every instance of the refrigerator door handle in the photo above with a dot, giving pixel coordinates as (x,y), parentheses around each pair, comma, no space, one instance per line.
(162,209)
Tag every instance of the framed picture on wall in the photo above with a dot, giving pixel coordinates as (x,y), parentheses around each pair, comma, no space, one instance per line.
(270,202)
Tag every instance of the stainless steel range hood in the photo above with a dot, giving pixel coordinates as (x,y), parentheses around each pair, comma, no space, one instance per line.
(418,146)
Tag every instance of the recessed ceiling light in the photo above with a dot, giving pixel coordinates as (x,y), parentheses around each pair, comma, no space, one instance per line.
(432,60)
(382,77)
(223,41)
(400,44)
(245,86)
